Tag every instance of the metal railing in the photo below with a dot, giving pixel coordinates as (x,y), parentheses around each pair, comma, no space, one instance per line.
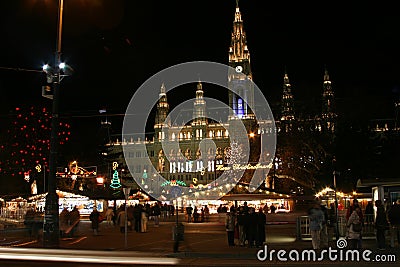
(303,227)
(13,215)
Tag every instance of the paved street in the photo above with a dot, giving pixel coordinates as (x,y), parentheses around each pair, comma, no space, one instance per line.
(205,244)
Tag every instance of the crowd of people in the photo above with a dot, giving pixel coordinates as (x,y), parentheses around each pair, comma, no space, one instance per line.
(136,217)
(386,219)
(195,215)
(245,226)
(322,223)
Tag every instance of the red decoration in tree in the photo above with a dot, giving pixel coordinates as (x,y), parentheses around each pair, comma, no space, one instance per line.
(28,133)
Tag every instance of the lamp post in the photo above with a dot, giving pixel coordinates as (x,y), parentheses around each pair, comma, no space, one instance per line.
(51,233)
(336,201)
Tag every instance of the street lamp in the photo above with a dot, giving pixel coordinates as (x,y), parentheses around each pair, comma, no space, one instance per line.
(51,233)
(336,201)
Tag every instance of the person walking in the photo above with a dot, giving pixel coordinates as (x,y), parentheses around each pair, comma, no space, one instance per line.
(261,222)
(251,228)
(109,215)
(241,221)
(64,221)
(324,228)
(316,218)
(137,214)
(143,221)
(206,213)
(74,219)
(95,218)
(354,227)
(189,211)
(381,224)
(394,220)
(29,220)
(230,222)
(331,223)
(369,213)
(156,214)
(121,217)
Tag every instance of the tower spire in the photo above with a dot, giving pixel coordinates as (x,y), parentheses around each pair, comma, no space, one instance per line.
(328,103)
(287,99)
(162,108)
(199,111)
(241,98)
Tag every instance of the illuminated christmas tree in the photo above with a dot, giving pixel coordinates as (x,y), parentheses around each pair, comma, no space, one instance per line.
(115,182)
(25,141)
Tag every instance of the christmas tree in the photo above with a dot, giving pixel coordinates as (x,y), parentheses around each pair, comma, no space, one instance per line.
(25,142)
(115,182)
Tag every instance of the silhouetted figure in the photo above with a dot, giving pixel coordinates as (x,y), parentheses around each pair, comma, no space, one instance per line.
(95,219)
(261,222)
(381,224)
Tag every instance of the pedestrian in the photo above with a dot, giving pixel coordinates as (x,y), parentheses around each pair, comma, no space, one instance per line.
(369,213)
(137,214)
(195,215)
(95,219)
(354,228)
(261,222)
(219,211)
(164,211)
(351,209)
(241,226)
(29,220)
(251,227)
(206,213)
(189,211)
(74,219)
(324,228)
(381,224)
(316,218)
(109,215)
(121,217)
(64,221)
(272,208)
(156,214)
(331,223)
(230,222)
(394,219)
(130,213)
(143,221)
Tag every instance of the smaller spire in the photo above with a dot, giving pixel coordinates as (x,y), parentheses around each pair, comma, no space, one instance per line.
(162,90)
(326,74)
(238,16)
(199,86)
(286,77)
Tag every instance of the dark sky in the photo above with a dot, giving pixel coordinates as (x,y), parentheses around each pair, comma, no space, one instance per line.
(115,45)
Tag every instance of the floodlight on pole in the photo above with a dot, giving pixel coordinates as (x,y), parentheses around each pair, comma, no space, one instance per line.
(51,232)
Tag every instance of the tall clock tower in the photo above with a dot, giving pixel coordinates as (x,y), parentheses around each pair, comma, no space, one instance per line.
(240,79)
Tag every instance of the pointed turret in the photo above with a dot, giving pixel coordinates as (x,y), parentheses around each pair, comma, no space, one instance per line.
(199,106)
(241,98)
(328,104)
(287,100)
(162,113)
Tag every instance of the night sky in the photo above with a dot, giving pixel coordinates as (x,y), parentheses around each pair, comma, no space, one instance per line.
(114,46)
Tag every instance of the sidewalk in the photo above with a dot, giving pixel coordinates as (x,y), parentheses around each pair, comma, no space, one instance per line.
(205,244)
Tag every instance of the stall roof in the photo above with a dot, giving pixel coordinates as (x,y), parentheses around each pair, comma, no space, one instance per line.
(61,194)
(378,181)
(249,197)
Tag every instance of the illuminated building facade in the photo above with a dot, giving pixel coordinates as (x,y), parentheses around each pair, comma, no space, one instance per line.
(188,165)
